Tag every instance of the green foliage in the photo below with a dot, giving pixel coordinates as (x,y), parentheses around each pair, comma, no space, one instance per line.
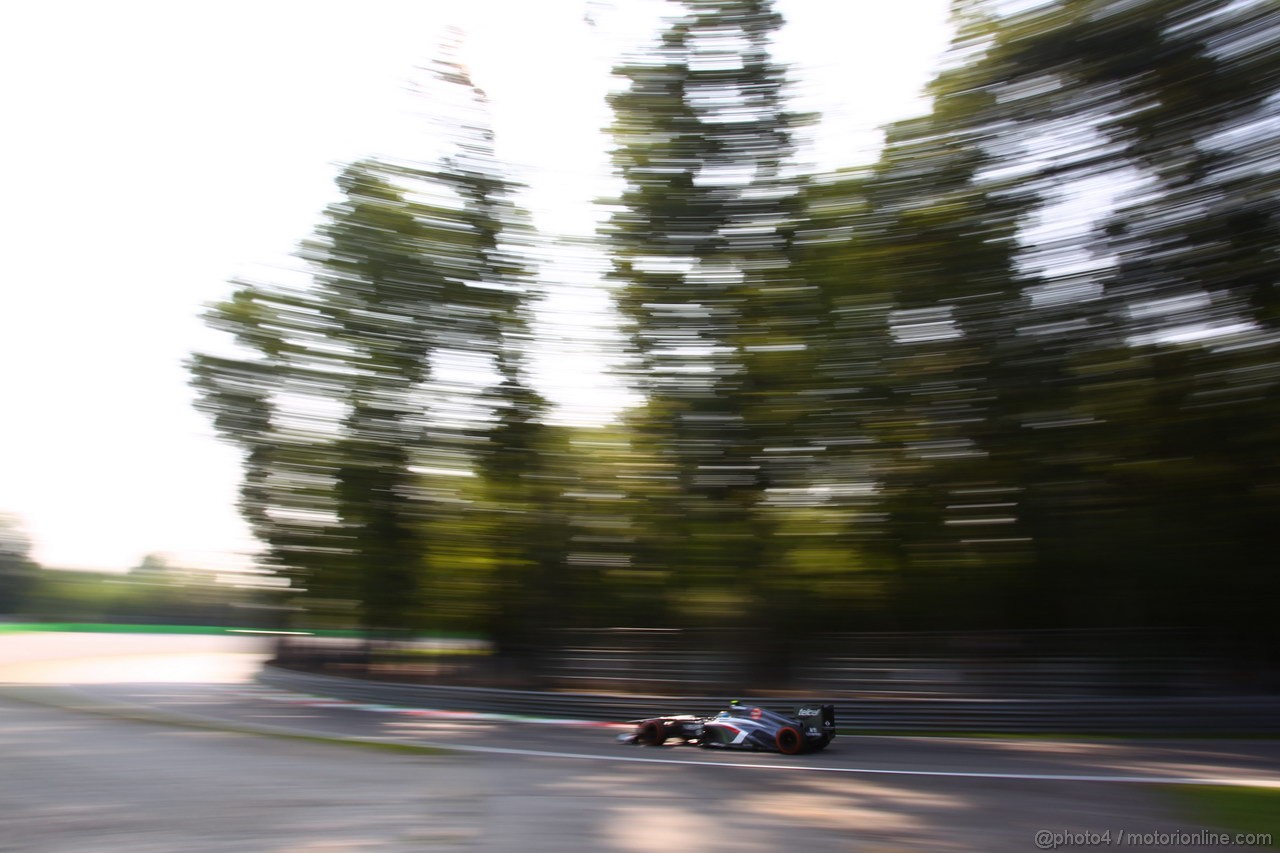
(174,597)
(1057,425)
(17,570)
(702,249)
(364,401)
(1021,372)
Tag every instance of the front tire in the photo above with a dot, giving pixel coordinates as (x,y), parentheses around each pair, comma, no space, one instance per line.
(651,734)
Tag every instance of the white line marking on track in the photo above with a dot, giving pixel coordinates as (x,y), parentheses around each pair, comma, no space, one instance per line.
(817,768)
(326,702)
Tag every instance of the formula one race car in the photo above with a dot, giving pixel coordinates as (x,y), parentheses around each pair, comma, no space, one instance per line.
(742,727)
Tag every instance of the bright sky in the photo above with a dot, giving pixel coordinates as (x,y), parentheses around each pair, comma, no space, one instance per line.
(156,149)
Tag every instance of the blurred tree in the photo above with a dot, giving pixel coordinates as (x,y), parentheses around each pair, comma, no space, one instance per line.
(363,400)
(701,244)
(18,571)
(1149,503)
(1052,311)
(917,257)
(154,567)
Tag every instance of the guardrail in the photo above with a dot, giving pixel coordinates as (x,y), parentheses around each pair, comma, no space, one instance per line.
(1199,715)
(1011,665)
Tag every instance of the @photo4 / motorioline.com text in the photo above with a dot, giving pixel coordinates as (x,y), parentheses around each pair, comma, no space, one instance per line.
(1047,839)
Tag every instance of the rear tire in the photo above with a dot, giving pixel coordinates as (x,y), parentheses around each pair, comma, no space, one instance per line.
(789,741)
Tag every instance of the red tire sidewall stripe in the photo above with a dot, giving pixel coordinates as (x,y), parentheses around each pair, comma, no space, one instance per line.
(777,740)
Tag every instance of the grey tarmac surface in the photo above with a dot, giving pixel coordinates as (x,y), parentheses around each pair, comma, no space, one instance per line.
(246,706)
(75,782)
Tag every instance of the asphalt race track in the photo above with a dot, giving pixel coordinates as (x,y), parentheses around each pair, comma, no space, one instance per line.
(863,793)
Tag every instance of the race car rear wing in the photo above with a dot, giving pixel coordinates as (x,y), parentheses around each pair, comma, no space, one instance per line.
(822,717)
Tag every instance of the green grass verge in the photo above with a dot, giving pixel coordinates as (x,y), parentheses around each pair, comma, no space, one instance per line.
(1235,809)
